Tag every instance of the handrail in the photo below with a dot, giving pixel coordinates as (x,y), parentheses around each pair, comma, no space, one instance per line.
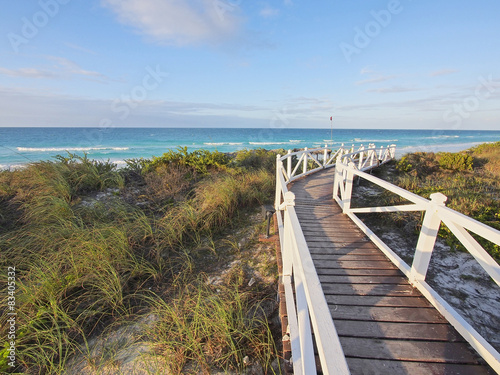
(435,213)
(307,307)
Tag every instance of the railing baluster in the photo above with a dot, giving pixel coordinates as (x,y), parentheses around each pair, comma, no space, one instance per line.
(427,238)
(289,164)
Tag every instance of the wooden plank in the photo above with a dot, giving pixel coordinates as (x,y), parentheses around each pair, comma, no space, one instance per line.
(341,237)
(370,290)
(328,247)
(363,249)
(400,331)
(357,272)
(422,351)
(352,250)
(355,264)
(355,257)
(360,366)
(370,280)
(387,314)
(382,301)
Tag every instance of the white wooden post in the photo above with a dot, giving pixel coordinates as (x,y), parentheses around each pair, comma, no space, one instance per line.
(277,199)
(372,155)
(346,207)
(361,154)
(304,168)
(325,156)
(288,201)
(289,165)
(338,176)
(427,238)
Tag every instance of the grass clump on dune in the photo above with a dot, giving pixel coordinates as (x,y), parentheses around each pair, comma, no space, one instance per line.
(84,263)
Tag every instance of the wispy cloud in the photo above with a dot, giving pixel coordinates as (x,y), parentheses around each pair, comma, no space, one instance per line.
(375,80)
(393,89)
(443,72)
(269,12)
(63,69)
(72,67)
(80,48)
(366,70)
(179,22)
(27,73)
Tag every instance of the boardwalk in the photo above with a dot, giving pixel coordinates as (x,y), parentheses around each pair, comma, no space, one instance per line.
(385,325)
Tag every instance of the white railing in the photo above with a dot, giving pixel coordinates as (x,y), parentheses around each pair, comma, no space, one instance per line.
(307,309)
(321,158)
(435,214)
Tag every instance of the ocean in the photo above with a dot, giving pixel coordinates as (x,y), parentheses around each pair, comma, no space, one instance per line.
(20,146)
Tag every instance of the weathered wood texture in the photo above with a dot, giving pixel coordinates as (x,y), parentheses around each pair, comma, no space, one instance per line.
(385,325)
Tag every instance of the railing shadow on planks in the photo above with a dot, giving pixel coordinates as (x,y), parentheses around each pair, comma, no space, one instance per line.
(307,308)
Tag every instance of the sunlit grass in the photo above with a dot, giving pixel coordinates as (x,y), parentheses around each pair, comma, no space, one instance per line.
(84,264)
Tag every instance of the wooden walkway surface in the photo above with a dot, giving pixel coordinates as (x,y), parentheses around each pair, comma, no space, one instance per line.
(385,325)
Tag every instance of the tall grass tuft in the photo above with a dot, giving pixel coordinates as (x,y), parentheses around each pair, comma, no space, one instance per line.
(213,329)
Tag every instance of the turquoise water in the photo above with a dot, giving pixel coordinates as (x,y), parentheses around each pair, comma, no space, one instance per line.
(19,146)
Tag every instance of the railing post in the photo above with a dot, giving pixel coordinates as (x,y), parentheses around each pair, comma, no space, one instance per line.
(289,165)
(288,201)
(304,168)
(427,238)
(381,153)
(277,199)
(325,157)
(338,175)
(346,200)
(361,155)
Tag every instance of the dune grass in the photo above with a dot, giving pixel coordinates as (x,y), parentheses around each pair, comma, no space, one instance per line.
(83,263)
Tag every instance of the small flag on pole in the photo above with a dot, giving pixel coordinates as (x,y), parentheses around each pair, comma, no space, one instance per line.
(331,118)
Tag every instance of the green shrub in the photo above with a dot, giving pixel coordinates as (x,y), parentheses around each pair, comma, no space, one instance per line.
(458,161)
(418,163)
(403,164)
(257,159)
(200,161)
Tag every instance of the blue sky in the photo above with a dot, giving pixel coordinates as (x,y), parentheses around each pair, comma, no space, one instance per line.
(241,63)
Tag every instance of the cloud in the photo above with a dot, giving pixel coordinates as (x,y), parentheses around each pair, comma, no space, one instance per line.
(27,73)
(443,72)
(63,69)
(366,70)
(393,89)
(73,68)
(269,12)
(80,48)
(375,79)
(179,22)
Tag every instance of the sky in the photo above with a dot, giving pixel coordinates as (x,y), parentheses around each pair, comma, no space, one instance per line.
(404,64)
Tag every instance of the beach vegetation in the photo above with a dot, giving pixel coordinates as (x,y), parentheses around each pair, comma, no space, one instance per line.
(97,247)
